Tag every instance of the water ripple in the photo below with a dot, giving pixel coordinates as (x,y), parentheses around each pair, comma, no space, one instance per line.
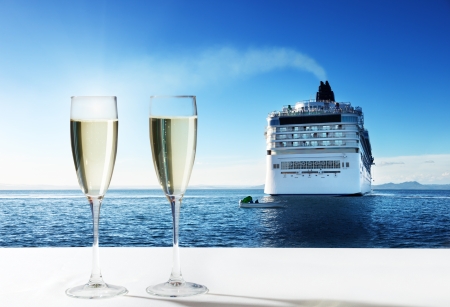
(212,218)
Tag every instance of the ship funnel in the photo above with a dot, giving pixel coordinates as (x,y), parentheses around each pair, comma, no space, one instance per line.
(325,93)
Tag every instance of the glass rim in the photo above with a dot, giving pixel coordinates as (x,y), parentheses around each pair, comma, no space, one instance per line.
(172,96)
(82,96)
(93,108)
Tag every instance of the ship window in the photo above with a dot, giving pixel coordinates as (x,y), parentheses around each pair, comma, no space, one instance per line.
(349,119)
(276,165)
(347,164)
(309,164)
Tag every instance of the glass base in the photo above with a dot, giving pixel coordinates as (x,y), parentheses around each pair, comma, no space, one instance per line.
(184,289)
(95,291)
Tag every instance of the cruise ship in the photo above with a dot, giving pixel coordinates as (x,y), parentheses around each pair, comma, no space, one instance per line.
(318,147)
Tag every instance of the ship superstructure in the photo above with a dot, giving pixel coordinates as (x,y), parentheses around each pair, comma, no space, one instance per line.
(318,146)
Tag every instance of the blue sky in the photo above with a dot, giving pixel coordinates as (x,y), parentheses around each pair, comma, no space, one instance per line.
(243,59)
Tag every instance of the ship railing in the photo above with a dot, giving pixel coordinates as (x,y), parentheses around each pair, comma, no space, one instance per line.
(301,136)
(312,128)
(314,144)
(326,102)
(316,111)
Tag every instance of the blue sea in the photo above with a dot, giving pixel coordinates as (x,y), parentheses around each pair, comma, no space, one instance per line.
(212,218)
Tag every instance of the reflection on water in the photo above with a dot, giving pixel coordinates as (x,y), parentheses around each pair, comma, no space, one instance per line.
(212,218)
(322,221)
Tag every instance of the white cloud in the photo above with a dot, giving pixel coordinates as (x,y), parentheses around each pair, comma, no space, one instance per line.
(426,169)
(385,163)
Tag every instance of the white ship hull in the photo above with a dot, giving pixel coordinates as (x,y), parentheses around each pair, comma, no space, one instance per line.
(352,180)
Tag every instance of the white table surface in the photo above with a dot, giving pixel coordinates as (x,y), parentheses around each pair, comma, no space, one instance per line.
(240,277)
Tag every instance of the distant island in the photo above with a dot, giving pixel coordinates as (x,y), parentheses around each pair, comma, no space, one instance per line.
(410,185)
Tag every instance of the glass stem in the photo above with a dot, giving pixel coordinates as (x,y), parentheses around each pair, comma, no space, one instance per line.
(96,279)
(176,279)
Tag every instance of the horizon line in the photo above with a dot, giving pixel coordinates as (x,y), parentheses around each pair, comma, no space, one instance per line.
(6,187)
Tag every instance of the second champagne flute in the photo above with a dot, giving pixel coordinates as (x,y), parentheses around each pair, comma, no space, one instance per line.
(173,139)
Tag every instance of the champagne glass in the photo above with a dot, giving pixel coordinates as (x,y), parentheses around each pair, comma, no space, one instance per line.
(173,140)
(93,132)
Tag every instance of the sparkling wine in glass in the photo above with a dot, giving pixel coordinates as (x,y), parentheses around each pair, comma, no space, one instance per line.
(93,133)
(173,140)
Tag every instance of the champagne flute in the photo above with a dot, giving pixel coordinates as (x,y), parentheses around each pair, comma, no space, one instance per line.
(93,131)
(173,140)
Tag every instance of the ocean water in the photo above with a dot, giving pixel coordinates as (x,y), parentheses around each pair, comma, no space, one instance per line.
(212,218)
